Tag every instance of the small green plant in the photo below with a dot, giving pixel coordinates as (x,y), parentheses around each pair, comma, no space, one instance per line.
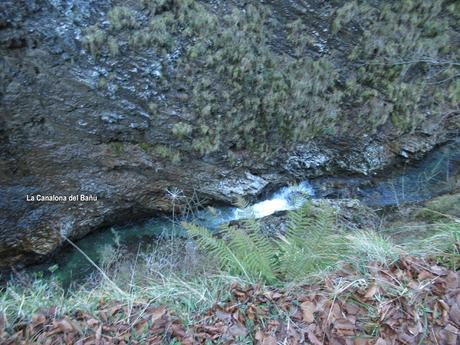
(369,246)
(140,39)
(444,245)
(116,147)
(166,152)
(94,39)
(182,130)
(204,145)
(101,83)
(299,37)
(114,49)
(454,92)
(146,147)
(121,17)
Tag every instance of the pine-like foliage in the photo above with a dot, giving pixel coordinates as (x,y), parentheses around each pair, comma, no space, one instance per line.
(312,243)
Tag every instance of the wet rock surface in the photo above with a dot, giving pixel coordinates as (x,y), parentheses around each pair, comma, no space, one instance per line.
(362,158)
(62,134)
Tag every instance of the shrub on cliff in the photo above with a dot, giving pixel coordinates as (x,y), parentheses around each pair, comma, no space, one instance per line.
(257,83)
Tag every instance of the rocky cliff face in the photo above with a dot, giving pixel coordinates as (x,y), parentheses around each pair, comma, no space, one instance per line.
(74,124)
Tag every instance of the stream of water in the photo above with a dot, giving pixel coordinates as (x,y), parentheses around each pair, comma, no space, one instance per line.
(435,175)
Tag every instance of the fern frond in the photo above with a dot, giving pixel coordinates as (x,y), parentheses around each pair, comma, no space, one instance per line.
(255,252)
(211,244)
(264,245)
(324,221)
(312,242)
(298,224)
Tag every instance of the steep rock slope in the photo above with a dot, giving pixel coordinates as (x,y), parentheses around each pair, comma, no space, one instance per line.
(125,101)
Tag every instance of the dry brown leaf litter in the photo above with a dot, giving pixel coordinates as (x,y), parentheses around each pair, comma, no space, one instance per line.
(412,302)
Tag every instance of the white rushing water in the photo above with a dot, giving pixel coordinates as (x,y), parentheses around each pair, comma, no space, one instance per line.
(287,198)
